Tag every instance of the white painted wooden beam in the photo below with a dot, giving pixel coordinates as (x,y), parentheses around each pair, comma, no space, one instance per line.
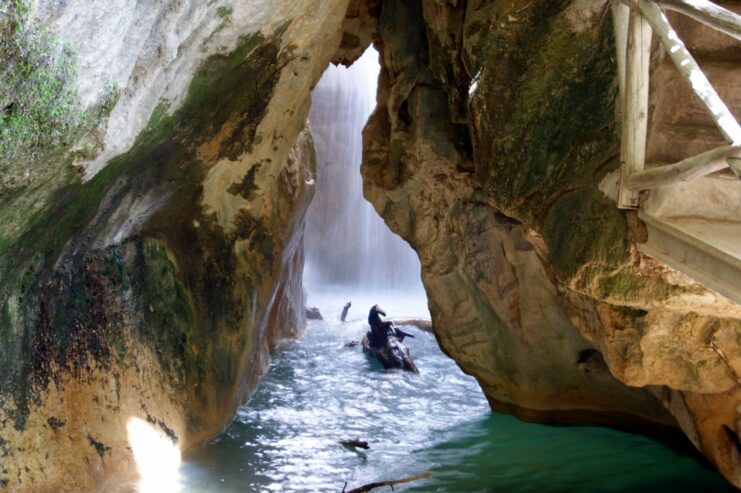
(620,16)
(685,170)
(735,164)
(710,14)
(690,70)
(716,269)
(635,105)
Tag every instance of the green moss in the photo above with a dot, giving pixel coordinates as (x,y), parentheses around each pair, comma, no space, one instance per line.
(585,227)
(23,206)
(545,134)
(39,106)
(550,108)
(73,290)
(224,11)
(626,286)
(165,305)
(622,285)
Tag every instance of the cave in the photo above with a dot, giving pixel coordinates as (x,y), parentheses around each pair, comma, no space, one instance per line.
(164,228)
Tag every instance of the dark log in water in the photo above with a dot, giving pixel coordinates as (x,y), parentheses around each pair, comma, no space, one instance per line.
(371,486)
(345,309)
(421,323)
(355,443)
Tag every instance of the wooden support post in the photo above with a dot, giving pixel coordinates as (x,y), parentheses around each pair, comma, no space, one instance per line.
(635,105)
(685,170)
(691,71)
(710,14)
(620,15)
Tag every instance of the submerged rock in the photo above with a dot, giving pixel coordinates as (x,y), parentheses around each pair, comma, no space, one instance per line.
(313,313)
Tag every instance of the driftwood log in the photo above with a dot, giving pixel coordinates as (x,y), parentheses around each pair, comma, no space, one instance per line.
(345,310)
(421,323)
(355,443)
(371,486)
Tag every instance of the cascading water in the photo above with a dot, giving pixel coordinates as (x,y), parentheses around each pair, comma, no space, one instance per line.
(348,246)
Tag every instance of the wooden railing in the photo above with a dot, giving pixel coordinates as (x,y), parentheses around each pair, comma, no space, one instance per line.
(635,22)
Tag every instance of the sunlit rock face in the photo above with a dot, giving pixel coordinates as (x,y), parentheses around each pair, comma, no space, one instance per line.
(149,282)
(489,151)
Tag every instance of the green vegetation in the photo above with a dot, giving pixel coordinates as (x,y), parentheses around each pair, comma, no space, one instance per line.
(583,227)
(65,320)
(548,124)
(546,103)
(224,11)
(39,107)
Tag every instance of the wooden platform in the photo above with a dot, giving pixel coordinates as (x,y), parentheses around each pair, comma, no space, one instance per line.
(707,251)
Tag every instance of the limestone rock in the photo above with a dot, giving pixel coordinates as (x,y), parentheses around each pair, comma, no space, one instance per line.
(151,283)
(494,130)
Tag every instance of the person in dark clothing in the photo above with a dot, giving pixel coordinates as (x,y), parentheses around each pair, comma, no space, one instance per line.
(380,330)
(383,341)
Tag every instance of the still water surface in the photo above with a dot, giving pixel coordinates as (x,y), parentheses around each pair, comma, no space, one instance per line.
(318,392)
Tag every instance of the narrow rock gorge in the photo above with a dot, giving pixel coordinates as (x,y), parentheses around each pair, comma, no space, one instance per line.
(156,166)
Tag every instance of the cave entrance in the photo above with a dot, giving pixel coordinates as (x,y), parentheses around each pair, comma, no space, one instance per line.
(318,391)
(350,251)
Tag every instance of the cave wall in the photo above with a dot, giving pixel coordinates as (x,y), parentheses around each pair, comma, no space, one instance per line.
(490,153)
(151,212)
(151,251)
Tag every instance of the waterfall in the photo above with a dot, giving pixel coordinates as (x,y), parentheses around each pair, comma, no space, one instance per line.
(347,243)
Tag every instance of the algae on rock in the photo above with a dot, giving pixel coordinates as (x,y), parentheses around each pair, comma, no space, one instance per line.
(124,295)
(495,127)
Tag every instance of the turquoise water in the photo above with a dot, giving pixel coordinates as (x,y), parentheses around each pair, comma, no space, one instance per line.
(318,392)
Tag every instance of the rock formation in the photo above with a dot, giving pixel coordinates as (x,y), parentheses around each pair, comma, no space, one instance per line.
(489,152)
(154,172)
(152,254)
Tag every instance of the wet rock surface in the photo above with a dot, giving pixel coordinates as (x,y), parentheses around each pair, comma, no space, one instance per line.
(496,124)
(150,258)
(152,282)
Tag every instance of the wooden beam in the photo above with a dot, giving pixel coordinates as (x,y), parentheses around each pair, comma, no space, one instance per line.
(620,16)
(710,14)
(735,165)
(635,105)
(691,71)
(685,170)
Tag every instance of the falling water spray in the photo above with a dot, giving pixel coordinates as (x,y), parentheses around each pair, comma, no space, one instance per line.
(347,243)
